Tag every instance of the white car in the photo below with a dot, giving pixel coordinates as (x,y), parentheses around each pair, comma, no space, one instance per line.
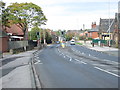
(72,42)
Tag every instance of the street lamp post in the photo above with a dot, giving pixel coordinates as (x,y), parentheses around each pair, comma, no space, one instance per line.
(44,38)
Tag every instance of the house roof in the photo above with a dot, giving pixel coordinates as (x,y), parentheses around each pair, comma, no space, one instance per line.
(15,30)
(104,25)
(96,29)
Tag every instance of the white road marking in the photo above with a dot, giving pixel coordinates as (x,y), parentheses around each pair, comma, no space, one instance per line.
(111,61)
(94,57)
(80,61)
(38,62)
(62,53)
(58,50)
(113,70)
(83,62)
(50,45)
(68,56)
(81,58)
(107,71)
(82,52)
(77,60)
(98,65)
(40,51)
(37,57)
(70,59)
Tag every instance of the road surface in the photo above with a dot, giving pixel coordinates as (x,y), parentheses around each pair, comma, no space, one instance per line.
(75,67)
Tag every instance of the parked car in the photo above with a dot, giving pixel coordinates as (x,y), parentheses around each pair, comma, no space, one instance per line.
(72,42)
(57,42)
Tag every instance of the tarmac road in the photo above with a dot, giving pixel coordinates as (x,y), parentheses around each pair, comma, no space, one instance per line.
(67,68)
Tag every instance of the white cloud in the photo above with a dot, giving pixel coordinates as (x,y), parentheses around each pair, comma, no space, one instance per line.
(59,18)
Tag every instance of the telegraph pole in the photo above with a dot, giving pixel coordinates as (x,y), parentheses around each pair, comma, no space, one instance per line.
(109,23)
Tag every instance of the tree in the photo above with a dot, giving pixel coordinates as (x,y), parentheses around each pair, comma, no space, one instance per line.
(33,33)
(26,15)
(69,36)
(48,37)
(4,16)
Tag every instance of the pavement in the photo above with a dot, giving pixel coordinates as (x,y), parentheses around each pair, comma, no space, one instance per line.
(16,70)
(105,49)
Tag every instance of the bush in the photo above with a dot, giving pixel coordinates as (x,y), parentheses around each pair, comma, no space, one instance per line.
(89,38)
(81,37)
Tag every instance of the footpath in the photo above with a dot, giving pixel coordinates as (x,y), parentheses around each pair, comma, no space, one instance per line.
(105,49)
(16,70)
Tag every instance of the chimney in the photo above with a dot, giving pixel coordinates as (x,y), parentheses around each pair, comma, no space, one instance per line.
(93,24)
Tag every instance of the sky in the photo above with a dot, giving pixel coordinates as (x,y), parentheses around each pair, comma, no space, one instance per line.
(73,14)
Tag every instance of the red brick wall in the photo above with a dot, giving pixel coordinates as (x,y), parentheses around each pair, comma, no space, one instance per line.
(94,35)
(4,44)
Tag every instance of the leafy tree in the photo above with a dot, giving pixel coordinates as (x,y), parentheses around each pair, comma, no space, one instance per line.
(26,15)
(58,33)
(33,33)
(69,36)
(33,36)
(48,37)
(4,16)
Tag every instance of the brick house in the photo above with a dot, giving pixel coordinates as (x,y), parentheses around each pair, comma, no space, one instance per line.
(93,32)
(3,41)
(15,31)
(116,32)
(106,28)
(12,33)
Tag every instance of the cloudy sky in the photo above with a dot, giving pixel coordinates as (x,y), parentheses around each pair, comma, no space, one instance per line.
(72,14)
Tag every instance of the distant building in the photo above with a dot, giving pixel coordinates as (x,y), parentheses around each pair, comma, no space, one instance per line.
(104,30)
(93,32)
(16,33)
(74,32)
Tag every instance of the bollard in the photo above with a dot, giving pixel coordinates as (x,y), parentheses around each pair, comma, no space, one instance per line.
(11,51)
(92,44)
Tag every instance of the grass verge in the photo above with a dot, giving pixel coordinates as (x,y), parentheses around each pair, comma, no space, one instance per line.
(79,43)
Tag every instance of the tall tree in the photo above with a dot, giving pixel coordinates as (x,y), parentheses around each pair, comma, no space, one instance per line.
(4,16)
(26,14)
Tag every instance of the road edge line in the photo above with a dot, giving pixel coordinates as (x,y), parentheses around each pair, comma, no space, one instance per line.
(107,71)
